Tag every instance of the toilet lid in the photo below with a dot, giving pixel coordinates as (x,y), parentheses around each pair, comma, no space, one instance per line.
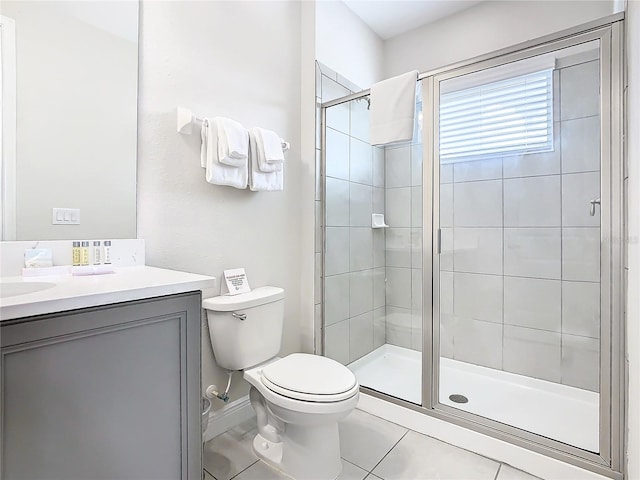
(310,377)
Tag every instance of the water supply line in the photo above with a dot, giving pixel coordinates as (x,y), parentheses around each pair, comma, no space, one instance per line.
(212,390)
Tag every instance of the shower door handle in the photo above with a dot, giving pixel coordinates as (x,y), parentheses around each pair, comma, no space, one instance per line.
(592,210)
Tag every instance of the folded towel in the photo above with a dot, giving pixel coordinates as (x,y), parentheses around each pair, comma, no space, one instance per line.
(269,149)
(258,179)
(233,142)
(393,106)
(216,172)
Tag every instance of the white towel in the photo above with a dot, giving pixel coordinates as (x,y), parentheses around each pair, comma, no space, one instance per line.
(233,142)
(216,172)
(393,107)
(269,148)
(259,180)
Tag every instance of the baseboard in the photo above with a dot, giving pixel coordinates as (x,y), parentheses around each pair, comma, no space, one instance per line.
(228,417)
(518,457)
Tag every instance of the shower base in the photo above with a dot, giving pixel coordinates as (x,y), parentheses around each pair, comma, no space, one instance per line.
(560,412)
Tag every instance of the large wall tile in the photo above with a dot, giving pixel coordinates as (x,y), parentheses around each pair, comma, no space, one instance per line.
(398,329)
(379,290)
(446,293)
(337,155)
(331,90)
(378,200)
(336,298)
(416,289)
(319,179)
(399,287)
(477,204)
(398,167)
(446,173)
(580,87)
(416,330)
(478,342)
(532,202)
(398,248)
(477,250)
(477,297)
(532,252)
(360,162)
(337,250)
(398,207)
(532,352)
(337,202)
(578,189)
(532,302)
(379,247)
(336,342)
(361,248)
(378,167)
(360,335)
(416,164)
(581,362)
(416,248)
(483,169)
(359,120)
(581,308)
(361,292)
(416,207)
(446,335)
(581,254)
(360,205)
(581,145)
(446,205)
(446,249)
(379,327)
(534,164)
(338,117)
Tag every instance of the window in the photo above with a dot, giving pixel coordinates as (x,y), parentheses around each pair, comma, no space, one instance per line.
(504,117)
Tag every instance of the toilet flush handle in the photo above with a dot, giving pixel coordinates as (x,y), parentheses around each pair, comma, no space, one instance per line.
(241,316)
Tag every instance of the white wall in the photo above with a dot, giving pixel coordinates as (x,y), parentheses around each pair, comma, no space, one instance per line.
(347,45)
(483,28)
(633,260)
(241,60)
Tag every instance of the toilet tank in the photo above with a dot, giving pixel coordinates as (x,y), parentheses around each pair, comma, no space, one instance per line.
(245,329)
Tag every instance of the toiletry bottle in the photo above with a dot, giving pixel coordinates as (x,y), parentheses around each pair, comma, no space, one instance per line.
(76,253)
(84,253)
(97,258)
(107,252)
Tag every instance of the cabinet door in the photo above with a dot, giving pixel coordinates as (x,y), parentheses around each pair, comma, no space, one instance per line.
(104,393)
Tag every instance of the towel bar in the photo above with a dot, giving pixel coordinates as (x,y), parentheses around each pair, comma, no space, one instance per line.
(186,119)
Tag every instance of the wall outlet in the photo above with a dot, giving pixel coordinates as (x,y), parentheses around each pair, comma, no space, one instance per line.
(65,216)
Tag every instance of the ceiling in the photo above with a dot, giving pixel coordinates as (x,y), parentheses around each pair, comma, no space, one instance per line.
(389,18)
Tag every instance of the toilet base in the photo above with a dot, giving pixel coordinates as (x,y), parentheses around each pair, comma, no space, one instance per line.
(302,460)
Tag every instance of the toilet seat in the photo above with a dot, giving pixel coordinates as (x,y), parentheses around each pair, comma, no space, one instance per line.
(309,378)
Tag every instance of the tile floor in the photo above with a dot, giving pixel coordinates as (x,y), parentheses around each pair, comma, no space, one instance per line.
(372,449)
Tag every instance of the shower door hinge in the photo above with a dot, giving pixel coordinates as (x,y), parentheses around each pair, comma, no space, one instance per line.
(439,241)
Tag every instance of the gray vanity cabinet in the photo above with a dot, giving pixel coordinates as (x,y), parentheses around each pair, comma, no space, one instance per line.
(110,392)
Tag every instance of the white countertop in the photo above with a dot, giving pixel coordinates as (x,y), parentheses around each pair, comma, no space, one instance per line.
(72,292)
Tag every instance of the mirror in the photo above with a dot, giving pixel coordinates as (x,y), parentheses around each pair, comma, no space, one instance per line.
(69,119)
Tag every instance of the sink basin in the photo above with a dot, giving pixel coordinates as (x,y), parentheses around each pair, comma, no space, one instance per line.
(10,289)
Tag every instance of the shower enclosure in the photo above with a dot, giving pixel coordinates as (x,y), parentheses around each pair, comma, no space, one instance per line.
(487,289)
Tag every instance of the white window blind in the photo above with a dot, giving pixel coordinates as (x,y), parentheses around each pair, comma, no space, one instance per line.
(505,117)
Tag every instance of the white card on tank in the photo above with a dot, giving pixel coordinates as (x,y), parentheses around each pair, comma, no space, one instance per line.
(236,280)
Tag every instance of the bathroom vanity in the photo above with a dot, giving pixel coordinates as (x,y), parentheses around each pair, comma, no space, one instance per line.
(101,377)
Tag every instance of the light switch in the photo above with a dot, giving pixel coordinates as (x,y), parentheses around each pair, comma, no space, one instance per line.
(65,216)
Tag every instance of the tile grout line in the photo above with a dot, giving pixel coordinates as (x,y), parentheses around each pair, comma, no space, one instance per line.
(390,450)
(245,469)
(498,472)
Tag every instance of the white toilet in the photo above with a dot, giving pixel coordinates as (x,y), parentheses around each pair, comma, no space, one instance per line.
(298,399)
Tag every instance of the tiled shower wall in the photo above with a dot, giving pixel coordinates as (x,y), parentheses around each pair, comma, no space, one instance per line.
(403,194)
(520,262)
(354,311)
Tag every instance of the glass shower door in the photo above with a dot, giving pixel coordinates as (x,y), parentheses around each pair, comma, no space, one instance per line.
(517,281)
